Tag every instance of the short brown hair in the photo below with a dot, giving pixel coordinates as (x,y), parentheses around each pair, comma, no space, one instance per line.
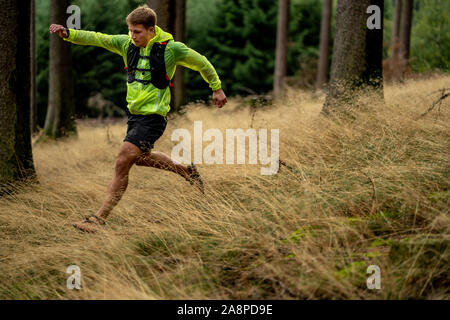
(142,15)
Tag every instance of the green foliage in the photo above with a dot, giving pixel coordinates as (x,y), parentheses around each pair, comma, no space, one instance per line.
(430,42)
(443,196)
(239,38)
(430,35)
(381,242)
(242,43)
(355,269)
(304,38)
(200,16)
(300,233)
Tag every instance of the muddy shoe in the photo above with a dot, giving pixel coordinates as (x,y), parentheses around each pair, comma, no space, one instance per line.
(194,177)
(90,224)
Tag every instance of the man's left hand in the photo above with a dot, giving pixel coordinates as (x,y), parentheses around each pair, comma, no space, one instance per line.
(219,98)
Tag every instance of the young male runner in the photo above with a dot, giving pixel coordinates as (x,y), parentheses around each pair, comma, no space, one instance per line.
(150,55)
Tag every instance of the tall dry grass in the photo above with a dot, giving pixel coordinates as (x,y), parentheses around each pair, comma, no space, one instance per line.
(372,191)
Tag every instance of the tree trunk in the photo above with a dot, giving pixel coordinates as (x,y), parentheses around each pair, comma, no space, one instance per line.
(357,54)
(324,51)
(165,11)
(405,32)
(397,24)
(60,113)
(16,159)
(33,103)
(394,65)
(282,44)
(180,23)
(171,18)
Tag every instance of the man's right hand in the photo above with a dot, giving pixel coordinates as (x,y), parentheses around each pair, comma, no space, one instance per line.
(219,98)
(59,29)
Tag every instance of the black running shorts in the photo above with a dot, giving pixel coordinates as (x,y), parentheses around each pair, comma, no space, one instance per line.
(143,131)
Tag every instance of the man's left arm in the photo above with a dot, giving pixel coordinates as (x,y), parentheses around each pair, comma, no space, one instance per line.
(191,59)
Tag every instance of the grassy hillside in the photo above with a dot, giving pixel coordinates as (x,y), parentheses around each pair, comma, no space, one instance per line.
(373,191)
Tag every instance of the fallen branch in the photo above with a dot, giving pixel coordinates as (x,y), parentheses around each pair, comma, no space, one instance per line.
(440,90)
(443,96)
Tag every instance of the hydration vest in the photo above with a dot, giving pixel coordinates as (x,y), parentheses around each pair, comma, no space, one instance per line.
(159,77)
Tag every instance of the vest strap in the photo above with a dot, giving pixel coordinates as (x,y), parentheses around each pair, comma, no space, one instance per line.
(159,76)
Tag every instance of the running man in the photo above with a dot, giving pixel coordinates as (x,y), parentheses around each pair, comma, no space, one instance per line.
(150,55)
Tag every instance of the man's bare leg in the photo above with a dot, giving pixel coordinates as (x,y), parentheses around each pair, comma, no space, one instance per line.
(128,155)
(159,160)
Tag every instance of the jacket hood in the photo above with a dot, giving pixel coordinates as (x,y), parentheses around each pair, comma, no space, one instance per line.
(160,36)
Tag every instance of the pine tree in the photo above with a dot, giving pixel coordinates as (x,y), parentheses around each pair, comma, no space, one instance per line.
(242,45)
(16,159)
(405,29)
(282,47)
(324,51)
(33,102)
(357,55)
(239,38)
(396,62)
(60,120)
(396,29)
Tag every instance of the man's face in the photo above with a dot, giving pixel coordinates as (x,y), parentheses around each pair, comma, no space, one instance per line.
(140,34)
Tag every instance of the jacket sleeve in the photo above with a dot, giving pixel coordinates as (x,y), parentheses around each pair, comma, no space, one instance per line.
(191,59)
(113,43)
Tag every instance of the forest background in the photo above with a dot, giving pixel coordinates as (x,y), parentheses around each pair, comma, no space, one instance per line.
(363,179)
(238,37)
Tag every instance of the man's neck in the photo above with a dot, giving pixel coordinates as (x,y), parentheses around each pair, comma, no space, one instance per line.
(150,37)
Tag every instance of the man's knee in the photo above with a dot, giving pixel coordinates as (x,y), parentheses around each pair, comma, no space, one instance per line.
(124,163)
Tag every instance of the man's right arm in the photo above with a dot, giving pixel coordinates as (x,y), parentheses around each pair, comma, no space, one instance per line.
(115,44)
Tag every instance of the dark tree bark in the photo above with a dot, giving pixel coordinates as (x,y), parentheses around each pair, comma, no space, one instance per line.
(60,120)
(33,103)
(324,50)
(282,45)
(171,17)
(373,74)
(357,54)
(180,35)
(405,31)
(397,22)
(395,65)
(165,11)
(16,159)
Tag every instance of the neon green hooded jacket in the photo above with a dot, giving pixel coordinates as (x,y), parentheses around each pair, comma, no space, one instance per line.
(147,99)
